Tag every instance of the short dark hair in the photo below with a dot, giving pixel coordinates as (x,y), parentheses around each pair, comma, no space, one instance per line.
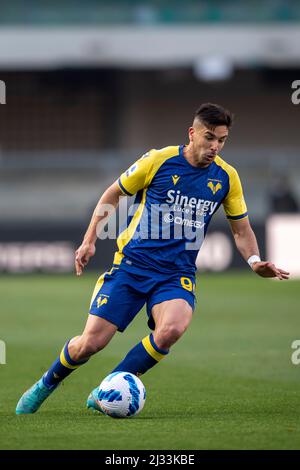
(213,115)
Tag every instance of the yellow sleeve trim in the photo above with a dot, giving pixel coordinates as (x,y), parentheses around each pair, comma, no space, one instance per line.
(124,191)
(237,217)
(234,203)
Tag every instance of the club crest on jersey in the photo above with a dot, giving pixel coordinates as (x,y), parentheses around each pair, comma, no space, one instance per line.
(101,301)
(175,179)
(214,185)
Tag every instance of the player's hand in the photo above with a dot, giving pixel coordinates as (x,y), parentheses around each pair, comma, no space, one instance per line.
(267,269)
(83,255)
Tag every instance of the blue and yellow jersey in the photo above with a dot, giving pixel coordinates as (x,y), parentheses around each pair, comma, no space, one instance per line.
(174,204)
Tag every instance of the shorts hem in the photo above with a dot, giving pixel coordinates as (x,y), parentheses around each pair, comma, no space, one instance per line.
(151,322)
(120,328)
(158,301)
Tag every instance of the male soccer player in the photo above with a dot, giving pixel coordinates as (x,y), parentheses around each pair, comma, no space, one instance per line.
(178,189)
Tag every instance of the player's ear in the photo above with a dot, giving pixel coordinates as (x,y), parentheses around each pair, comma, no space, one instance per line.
(191,133)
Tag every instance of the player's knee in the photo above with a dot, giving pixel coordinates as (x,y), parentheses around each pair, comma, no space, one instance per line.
(168,334)
(88,346)
(94,344)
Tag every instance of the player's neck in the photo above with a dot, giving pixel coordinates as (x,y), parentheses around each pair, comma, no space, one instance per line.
(189,155)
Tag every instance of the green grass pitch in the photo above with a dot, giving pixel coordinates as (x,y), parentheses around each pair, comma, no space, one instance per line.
(229,383)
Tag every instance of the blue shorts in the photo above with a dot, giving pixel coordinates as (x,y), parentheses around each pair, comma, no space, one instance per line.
(119,295)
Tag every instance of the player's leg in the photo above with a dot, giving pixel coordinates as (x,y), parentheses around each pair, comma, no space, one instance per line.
(122,305)
(169,306)
(76,352)
(171,318)
(96,335)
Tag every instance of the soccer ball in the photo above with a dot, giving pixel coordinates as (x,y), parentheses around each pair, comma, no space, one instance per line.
(121,395)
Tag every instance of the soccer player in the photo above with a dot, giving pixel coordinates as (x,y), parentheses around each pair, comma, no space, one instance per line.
(178,189)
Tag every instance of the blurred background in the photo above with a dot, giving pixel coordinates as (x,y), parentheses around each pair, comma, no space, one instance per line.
(88,87)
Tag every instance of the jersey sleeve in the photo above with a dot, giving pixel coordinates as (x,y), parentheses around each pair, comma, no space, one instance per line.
(137,175)
(234,203)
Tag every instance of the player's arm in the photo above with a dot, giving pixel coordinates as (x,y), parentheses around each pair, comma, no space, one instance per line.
(129,183)
(246,243)
(105,207)
(245,239)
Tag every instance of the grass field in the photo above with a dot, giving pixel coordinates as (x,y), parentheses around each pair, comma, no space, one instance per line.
(229,383)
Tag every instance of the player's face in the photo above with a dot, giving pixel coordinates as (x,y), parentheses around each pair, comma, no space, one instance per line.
(206,142)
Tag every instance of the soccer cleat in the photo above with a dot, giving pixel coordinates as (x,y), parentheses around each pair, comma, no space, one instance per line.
(31,400)
(92,401)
